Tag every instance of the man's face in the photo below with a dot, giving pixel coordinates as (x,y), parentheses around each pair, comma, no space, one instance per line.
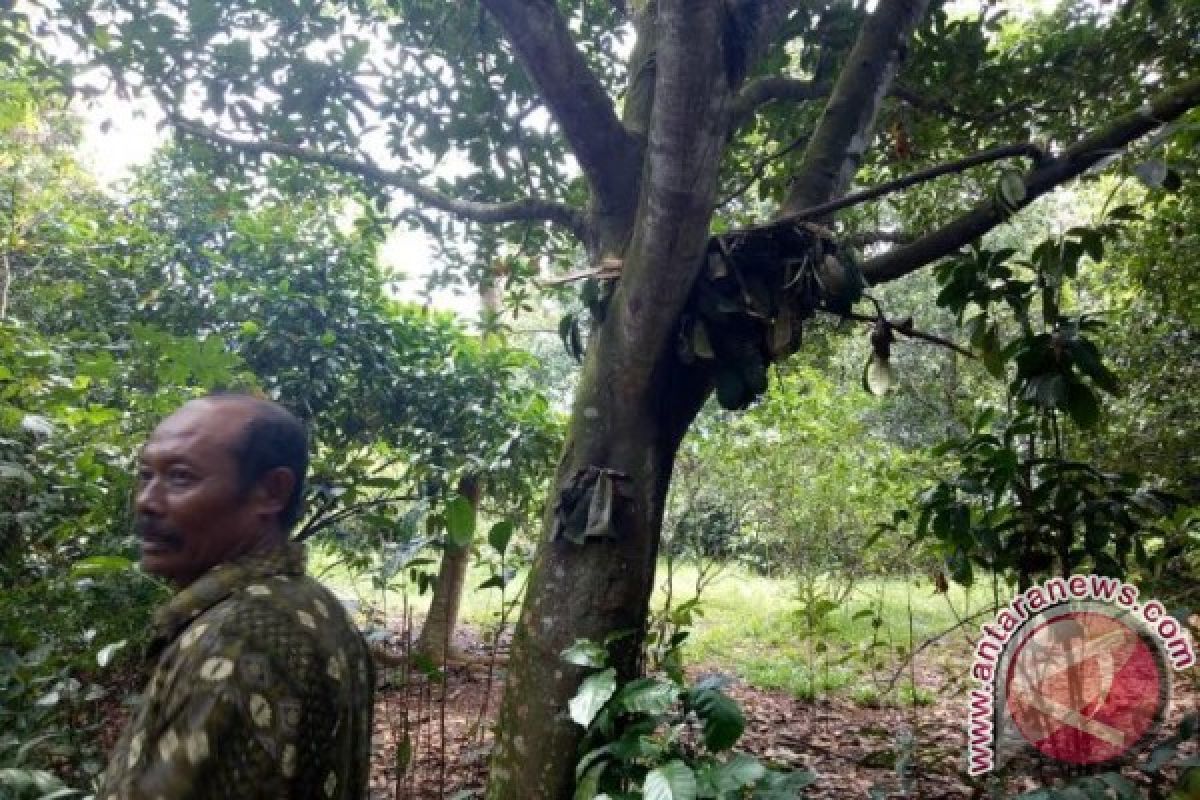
(190,516)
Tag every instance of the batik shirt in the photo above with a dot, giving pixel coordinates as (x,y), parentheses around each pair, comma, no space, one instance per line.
(262,689)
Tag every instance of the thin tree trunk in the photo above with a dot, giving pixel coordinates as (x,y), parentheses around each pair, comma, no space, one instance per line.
(435,640)
(436,634)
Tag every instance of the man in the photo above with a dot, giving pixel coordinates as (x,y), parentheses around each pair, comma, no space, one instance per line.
(262,686)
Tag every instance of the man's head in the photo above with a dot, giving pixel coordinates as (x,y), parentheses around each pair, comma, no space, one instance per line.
(217,479)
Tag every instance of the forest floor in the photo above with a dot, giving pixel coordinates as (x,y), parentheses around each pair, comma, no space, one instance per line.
(853,748)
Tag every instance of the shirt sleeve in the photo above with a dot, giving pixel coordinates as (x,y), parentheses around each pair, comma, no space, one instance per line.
(242,718)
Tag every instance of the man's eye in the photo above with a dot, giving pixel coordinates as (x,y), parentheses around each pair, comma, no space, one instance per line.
(145,475)
(180,477)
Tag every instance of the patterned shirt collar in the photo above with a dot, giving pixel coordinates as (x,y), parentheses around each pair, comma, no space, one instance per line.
(218,583)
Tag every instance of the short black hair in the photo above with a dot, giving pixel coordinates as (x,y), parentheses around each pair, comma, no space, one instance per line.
(273,437)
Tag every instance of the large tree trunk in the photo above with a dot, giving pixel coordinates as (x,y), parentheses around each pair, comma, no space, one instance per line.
(634,404)
(595,589)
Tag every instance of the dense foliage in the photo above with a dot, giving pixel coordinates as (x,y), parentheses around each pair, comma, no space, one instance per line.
(116,311)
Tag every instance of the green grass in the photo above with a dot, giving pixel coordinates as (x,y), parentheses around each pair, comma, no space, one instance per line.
(749,625)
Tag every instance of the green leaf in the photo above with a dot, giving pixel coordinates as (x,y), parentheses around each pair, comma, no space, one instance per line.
(105,656)
(1081,404)
(1123,787)
(672,781)
(460,521)
(647,696)
(58,794)
(1087,358)
(589,759)
(1011,190)
(1093,244)
(723,720)
(21,779)
(638,742)
(100,565)
(594,692)
(785,786)
(49,699)
(11,471)
(495,582)
(500,535)
(586,653)
(589,785)
(1151,172)
(740,771)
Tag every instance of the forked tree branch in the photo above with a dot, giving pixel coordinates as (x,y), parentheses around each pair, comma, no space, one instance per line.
(1075,160)
(607,153)
(530,209)
(775,88)
(843,133)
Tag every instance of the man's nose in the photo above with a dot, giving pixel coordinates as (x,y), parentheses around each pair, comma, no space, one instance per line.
(148,499)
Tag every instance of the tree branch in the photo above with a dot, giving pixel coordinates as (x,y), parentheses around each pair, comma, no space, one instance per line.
(761,91)
(962,164)
(864,238)
(322,520)
(939,106)
(528,209)
(842,135)
(1088,151)
(607,153)
(773,89)
(688,130)
(905,327)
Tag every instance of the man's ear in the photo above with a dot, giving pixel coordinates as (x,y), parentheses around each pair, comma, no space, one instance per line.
(274,489)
